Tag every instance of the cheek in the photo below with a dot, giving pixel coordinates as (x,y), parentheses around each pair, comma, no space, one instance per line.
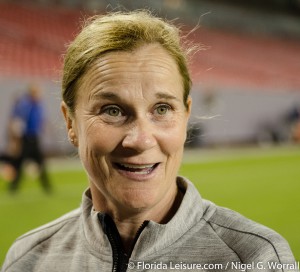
(94,137)
(95,143)
(173,139)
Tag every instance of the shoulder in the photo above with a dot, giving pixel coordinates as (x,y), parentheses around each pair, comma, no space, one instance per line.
(250,240)
(51,227)
(27,242)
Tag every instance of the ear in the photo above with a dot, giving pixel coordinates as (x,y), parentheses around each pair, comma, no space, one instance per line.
(189,106)
(69,119)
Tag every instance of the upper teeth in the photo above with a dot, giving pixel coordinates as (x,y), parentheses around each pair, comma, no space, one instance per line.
(136,166)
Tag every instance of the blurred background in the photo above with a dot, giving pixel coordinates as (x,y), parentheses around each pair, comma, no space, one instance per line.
(246,103)
(246,79)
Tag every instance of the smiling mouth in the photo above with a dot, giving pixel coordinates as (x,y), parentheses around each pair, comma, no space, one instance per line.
(142,169)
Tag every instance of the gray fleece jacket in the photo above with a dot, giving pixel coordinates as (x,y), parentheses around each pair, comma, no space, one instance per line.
(200,237)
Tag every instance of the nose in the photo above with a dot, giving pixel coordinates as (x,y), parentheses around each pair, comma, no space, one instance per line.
(140,137)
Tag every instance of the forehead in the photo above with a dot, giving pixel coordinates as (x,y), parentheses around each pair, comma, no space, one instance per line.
(144,54)
(148,64)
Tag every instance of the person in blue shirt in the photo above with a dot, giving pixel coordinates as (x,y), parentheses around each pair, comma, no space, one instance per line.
(28,112)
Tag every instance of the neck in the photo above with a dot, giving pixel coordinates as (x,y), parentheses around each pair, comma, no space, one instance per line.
(128,222)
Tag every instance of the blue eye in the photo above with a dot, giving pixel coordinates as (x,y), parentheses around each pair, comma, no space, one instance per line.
(162,109)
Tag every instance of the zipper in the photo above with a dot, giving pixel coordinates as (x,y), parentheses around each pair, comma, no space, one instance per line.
(120,257)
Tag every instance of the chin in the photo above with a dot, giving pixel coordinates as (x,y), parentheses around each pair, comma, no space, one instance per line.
(137,200)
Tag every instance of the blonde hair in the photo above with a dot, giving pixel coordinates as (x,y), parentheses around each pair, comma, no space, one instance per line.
(120,31)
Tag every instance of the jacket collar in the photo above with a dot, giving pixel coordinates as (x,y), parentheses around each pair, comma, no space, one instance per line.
(155,236)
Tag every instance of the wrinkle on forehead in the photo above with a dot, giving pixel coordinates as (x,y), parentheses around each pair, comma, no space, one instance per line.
(151,58)
(159,58)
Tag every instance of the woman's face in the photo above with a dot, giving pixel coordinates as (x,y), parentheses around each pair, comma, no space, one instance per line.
(130,127)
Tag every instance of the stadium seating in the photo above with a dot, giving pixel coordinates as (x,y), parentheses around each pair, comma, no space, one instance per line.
(32,39)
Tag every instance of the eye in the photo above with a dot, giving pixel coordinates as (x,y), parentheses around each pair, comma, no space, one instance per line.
(113,111)
(162,109)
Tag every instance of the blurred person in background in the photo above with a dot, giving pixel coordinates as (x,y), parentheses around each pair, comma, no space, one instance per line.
(9,157)
(126,104)
(27,122)
(293,120)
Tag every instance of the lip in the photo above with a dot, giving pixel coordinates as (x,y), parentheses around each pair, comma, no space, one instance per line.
(137,171)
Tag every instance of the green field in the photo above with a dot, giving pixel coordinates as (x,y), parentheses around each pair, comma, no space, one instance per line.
(262,184)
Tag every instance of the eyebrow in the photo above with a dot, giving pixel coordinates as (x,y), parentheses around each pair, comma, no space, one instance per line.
(162,95)
(106,95)
(114,96)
